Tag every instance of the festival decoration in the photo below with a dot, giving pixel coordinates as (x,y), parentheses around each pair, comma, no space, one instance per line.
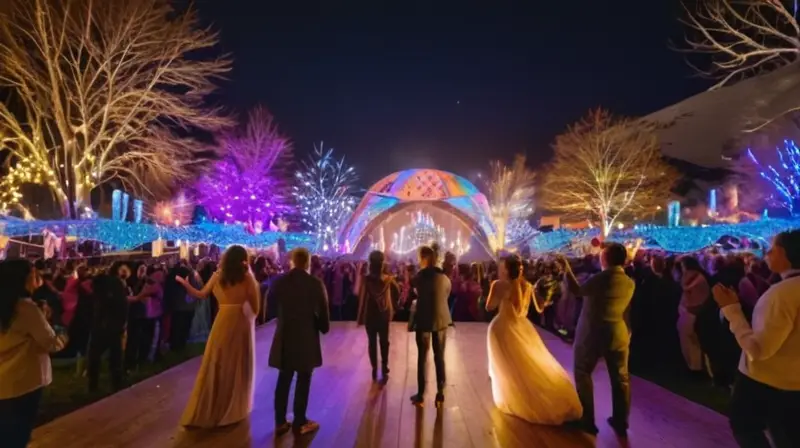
(510,191)
(324,193)
(176,212)
(157,248)
(121,235)
(674,214)
(251,182)
(424,230)
(712,202)
(3,241)
(125,198)
(783,177)
(52,243)
(440,189)
(519,231)
(669,239)
(116,205)
(138,206)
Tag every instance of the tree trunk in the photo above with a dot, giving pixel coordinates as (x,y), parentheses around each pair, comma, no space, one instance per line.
(605,226)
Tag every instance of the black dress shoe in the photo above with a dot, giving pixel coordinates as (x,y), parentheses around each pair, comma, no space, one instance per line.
(580,425)
(620,429)
(417,400)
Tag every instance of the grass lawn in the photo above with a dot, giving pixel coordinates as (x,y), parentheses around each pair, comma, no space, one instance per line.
(69,391)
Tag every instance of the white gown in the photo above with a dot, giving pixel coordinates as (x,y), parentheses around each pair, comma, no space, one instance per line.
(527,381)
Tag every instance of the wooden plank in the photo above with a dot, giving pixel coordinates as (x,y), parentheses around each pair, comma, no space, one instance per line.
(355,412)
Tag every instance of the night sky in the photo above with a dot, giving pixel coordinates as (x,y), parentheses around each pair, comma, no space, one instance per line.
(451,88)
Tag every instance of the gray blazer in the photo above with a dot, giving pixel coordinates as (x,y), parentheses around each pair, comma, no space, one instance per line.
(606,298)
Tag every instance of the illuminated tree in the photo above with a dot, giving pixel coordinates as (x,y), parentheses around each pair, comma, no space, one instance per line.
(744,37)
(104,90)
(252,181)
(783,177)
(511,191)
(606,168)
(324,192)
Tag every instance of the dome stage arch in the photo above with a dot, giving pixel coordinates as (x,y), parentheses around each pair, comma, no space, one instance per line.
(452,201)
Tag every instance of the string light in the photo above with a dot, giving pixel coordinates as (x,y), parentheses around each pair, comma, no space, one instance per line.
(123,235)
(251,182)
(785,178)
(323,192)
(669,239)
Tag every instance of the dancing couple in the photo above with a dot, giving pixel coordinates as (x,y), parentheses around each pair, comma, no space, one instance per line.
(223,390)
(527,380)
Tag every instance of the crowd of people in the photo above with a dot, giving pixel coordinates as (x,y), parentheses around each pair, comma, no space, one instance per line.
(130,312)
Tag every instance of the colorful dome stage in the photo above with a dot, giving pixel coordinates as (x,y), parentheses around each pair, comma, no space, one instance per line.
(418,190)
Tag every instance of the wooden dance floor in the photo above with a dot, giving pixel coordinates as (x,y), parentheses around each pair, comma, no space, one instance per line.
(354,412)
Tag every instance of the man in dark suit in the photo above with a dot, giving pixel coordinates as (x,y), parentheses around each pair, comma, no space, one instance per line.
(603,333)
(431,319)
(302,315)
(109,316)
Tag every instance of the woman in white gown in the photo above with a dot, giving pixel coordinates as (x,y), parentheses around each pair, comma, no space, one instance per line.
(527,381)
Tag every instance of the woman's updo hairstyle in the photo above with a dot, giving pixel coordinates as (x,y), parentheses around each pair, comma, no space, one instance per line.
(513,266)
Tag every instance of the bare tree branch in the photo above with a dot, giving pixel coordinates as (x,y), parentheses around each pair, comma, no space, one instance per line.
(607,169)
(744,37)
(110,89)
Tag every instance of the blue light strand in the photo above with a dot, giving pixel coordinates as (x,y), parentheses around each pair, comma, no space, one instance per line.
(785,180)
(670,239)
(123,235)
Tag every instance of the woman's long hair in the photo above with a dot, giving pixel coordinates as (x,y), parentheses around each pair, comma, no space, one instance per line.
(14,276)
(234,266)
(376,262)
(520,287)
(689,263)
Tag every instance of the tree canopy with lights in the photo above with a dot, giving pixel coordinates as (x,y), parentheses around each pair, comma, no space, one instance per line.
(324,191)
(606,169)
(511,190)
(252,181)
(100,91)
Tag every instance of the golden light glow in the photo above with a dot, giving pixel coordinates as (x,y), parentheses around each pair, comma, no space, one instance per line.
(609,168)
(102,88)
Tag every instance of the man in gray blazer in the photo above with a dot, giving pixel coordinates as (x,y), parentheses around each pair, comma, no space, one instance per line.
(603,333)
(430,321)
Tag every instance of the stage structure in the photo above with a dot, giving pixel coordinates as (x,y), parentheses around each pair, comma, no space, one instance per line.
(436,205)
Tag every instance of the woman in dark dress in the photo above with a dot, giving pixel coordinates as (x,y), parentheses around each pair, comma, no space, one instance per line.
(377,300)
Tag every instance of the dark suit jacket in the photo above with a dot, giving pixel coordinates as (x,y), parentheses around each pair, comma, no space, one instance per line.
(606,297)
(433,289)
(110,303)
(302,304)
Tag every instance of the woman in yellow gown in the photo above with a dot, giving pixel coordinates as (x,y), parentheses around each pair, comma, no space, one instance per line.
(527,381)
(223,390)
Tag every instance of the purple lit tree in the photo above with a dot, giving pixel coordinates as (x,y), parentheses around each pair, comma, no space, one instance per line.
(784,177)
(252,180)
